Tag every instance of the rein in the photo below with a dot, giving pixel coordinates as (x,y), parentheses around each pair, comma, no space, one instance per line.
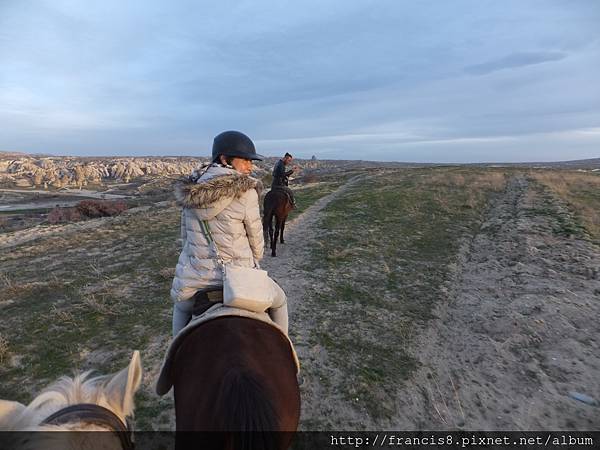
(93,414)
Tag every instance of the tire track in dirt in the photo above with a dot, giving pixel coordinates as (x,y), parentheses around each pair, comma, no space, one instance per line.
(519,332)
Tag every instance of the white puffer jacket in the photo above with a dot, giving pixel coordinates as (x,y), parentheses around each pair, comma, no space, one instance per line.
(229,202)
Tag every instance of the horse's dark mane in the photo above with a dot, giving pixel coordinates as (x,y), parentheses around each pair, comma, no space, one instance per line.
(243,405)
(241,400)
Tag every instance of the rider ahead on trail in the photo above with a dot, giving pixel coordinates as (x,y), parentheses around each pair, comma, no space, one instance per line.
(226,197)
(280,177)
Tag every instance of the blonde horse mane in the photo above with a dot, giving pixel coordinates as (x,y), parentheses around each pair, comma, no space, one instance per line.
(114,392)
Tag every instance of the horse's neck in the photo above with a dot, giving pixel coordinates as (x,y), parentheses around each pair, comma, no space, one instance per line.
(65,393)
(17,417)
(31,419)
(66,441)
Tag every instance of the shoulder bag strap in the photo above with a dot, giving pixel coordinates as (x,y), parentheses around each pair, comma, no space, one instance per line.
(211,242)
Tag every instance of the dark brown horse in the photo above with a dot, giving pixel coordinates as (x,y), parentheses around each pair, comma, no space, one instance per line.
(237,374)
(276,204)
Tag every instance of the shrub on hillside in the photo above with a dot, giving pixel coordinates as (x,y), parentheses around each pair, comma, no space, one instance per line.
(87,209)
(100,208)
(62,215)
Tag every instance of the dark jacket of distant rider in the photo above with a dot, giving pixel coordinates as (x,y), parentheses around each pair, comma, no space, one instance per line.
(280,175)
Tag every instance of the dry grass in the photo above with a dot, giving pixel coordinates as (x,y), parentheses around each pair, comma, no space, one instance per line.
(481,183)
(472,184)
(11,289)
(564,182)
(62,316)
(494,180)
(100,306)
(105,297)
(167,273)
(102,297)
(4,349)
(581,191)
(445,401)
(7,283)
(448,179)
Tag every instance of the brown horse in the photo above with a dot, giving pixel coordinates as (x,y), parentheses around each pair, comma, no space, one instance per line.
(276,204)
(233,374)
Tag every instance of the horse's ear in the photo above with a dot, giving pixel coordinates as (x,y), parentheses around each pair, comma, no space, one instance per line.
(9,412)
(122,387)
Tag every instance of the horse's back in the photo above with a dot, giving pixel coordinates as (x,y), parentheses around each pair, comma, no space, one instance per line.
(274,198)
(278,203)
(231,362)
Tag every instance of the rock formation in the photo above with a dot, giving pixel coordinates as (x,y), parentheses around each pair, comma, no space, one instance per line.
(49,172)
(78,172)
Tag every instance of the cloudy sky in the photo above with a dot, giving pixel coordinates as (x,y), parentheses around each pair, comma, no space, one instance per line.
(422,81)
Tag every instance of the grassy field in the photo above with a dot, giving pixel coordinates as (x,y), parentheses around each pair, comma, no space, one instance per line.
(382,261)
(306,196)
(86,300)
(580,192)
(385,256)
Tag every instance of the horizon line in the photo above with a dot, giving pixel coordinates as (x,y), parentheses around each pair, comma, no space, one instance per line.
(52,155)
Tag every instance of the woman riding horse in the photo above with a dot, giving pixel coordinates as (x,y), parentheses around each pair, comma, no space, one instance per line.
(231,373)
(226,197)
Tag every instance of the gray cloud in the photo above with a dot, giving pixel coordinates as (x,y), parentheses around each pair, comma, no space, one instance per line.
(515,60)
(391,81)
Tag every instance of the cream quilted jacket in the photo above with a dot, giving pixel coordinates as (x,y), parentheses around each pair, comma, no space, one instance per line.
(229,202)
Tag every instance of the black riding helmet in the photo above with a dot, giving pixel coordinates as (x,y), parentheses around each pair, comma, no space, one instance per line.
(234,144)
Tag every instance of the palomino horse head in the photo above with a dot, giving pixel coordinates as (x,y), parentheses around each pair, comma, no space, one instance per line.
(82,403)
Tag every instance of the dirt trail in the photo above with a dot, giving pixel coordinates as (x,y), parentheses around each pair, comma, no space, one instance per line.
(286,269)
(299,233)
(520,331)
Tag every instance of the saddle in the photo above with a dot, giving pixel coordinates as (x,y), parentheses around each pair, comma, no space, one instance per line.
(204,299)
(287,191)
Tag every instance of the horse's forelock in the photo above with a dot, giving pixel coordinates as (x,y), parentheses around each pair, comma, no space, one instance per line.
(83,388)
(80,389)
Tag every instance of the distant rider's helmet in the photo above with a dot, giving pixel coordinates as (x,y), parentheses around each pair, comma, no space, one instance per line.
(234,144)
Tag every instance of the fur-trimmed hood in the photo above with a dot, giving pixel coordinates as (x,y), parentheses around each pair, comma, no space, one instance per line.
(215,189)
